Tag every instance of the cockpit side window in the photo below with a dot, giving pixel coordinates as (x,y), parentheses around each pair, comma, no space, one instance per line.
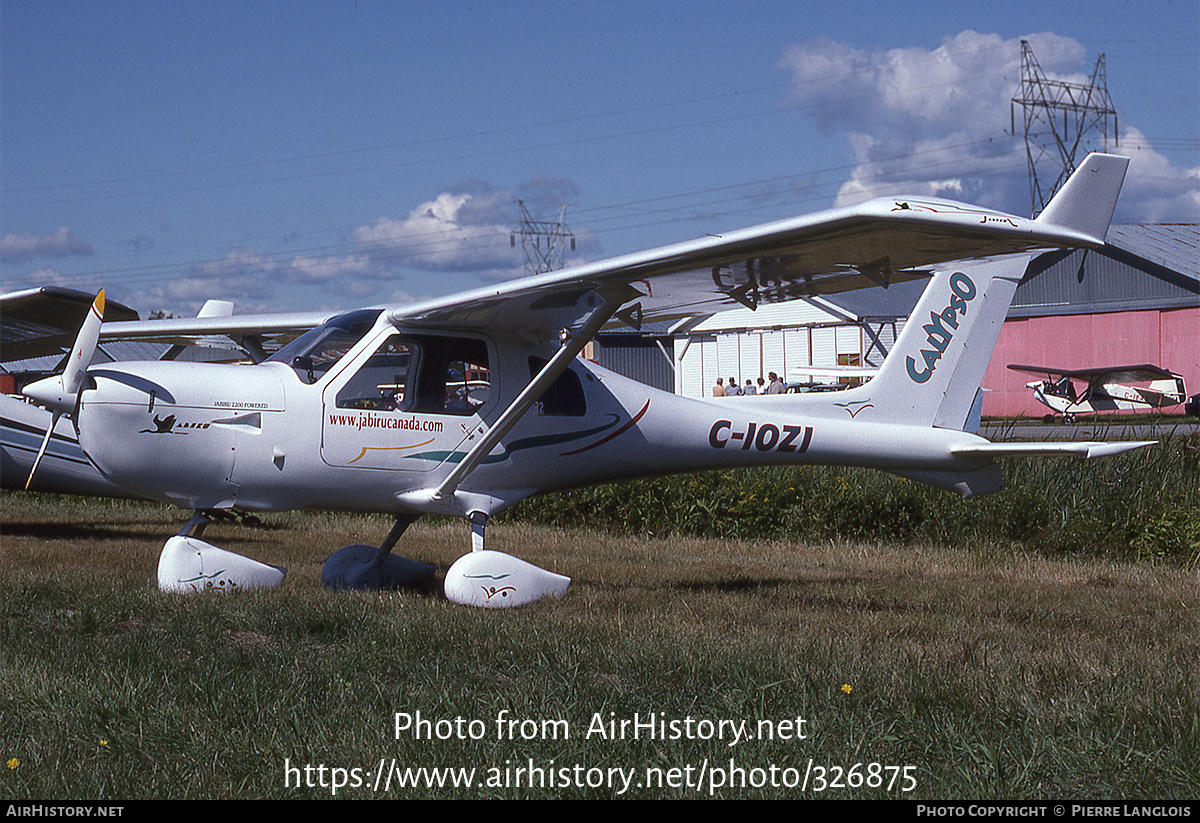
(454,376)
(380,383)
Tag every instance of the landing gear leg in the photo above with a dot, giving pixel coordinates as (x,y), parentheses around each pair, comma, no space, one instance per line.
(375,567)
(496,580)
(478,527)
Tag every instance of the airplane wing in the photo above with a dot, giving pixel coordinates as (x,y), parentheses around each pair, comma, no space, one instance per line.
(880,242)
(875,243)
(1111,374)
(247,331)
(44,321)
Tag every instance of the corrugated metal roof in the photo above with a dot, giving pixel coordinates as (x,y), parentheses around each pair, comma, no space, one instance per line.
(1175,246)
(896,300)
(1144,266)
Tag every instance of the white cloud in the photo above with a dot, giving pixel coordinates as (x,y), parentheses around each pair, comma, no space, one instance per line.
(1161,192)
(240,276)
(454,241)
(449,233)
(337,270)
(937,122)
(18,248)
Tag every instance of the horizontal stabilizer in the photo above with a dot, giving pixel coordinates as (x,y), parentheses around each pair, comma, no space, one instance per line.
(1086,449)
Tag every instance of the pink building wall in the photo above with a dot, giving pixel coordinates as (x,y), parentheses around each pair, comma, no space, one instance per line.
(1167,338)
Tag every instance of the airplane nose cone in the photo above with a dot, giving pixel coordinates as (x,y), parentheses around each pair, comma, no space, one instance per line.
(171,431)
(51,393)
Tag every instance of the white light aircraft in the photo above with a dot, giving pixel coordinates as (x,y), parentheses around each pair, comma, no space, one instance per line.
(846,376)
(1104,389)
(467,405)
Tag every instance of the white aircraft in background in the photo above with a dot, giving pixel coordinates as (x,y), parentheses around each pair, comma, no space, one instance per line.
(844,377)
(469,404)
(1104,390)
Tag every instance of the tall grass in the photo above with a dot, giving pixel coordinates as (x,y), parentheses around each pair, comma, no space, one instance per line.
(989,678)
(1140,505)
(1012,646)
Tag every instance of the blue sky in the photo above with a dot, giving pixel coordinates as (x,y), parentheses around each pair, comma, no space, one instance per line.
(317,155)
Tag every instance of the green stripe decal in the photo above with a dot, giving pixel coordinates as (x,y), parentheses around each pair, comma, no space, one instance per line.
(518,445)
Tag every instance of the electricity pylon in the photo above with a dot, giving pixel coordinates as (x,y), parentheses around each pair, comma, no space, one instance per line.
(544,243)
(1059,118)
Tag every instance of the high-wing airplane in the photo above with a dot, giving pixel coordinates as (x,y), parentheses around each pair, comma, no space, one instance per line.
(469,404)
(1104,389)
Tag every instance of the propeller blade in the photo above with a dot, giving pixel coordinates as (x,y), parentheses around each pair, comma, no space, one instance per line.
(62,390)
(60,393)
(42,451)
(85,346)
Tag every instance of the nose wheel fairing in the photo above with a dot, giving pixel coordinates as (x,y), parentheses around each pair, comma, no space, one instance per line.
(188,564)
(366,568)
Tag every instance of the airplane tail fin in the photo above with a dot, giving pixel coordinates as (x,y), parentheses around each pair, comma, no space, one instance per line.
(1087,200)
(933,374)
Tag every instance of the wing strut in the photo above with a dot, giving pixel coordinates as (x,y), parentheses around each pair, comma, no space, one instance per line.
(572,345)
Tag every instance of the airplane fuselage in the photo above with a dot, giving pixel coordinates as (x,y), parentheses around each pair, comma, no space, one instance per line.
(358,438)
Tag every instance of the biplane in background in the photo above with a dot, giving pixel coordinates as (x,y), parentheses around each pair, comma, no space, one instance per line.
(1104,389)
(466,405)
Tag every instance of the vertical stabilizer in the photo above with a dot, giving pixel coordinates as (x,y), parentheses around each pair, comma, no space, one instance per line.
(933,373)
(1087,200)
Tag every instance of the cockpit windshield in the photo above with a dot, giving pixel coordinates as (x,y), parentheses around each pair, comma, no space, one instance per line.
(314,352)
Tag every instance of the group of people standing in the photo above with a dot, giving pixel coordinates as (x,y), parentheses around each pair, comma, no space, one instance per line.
(774,386)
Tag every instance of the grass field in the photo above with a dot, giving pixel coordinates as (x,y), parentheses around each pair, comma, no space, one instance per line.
(675,667)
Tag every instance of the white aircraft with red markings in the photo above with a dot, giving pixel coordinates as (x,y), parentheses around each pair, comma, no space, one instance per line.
(1105,389)
(469,404)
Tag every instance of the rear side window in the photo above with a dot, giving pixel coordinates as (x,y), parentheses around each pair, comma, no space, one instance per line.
(564,398)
